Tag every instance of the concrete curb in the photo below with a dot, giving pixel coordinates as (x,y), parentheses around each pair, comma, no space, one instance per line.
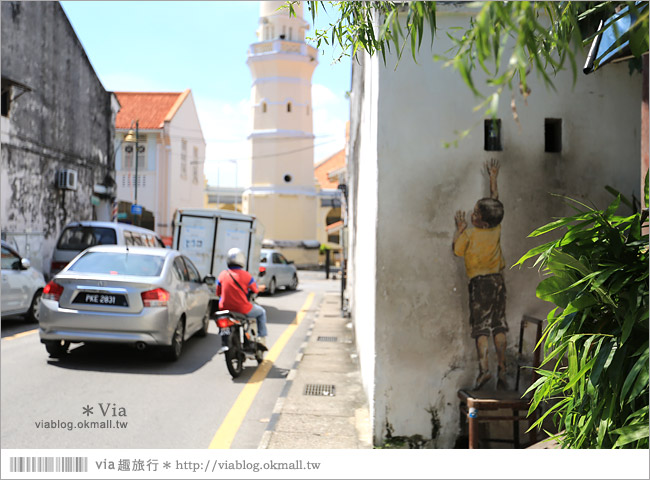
(279,404)
(338,418)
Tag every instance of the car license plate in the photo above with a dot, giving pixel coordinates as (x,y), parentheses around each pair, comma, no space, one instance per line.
(91,298)
(225,331)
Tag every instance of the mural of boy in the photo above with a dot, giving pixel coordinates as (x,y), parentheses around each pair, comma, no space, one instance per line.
(481,248)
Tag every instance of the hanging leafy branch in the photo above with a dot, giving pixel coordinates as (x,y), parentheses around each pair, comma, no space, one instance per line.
(505,40)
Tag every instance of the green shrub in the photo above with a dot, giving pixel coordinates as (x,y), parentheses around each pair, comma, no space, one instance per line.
(594,376)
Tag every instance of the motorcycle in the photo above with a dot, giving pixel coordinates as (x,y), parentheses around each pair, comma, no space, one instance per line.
(241,339)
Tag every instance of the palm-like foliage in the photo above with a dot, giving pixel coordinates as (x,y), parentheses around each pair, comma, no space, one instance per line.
(594,376)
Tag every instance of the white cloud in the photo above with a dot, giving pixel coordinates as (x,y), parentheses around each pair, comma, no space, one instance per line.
(331,112)
(225,128)
(321,96)
(128,82)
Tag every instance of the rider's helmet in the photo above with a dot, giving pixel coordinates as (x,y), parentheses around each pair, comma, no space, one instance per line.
(236,258)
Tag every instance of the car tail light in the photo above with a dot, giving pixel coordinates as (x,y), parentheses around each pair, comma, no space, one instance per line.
(155,298)
(224,322)
(52,291)
(56,267)
(262,271)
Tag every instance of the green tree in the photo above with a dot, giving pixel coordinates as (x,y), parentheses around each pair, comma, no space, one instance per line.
(505,40)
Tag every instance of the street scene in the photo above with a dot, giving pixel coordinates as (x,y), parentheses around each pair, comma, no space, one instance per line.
(158,404)
(338,227)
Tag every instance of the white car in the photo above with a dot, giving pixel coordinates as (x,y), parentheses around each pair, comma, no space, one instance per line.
(22,285)
(276,271)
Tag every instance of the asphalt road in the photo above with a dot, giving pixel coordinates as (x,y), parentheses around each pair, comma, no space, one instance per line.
(50,403)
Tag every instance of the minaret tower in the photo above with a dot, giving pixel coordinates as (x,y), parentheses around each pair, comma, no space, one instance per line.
(281,191)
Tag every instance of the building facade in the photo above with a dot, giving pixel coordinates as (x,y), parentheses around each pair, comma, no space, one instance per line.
(408,292)
(330,173)
(171,155)
(281,191)
(57,131)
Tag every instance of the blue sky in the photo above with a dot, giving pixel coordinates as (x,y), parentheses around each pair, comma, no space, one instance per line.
(171,46)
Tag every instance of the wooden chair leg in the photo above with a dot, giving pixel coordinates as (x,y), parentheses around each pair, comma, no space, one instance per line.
(515,428)
(472,421)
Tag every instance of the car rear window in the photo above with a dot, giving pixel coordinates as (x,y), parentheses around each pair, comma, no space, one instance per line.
(117,263)
(264,258)
(80,238)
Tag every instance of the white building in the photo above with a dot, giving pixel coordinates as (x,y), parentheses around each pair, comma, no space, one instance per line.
(409,296)
(281,191)
(171,154)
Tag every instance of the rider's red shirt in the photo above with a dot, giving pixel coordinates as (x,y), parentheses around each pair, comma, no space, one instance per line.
(231,297)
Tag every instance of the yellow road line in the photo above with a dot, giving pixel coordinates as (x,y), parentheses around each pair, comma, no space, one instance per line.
(21,334)
(228,429)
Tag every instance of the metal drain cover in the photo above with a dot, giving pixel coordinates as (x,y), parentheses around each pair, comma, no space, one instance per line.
(320,390)
(327,339)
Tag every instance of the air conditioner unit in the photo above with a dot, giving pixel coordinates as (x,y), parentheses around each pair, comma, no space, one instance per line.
(67,179)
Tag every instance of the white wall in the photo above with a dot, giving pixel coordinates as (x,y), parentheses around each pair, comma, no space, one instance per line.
(364,254)
(417,290)
(185,193)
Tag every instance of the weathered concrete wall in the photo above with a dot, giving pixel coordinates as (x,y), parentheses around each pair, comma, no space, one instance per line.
(65,121)
(423,352)
(363,184)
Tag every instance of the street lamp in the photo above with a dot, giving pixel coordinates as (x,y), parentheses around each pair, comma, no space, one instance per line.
(133,138)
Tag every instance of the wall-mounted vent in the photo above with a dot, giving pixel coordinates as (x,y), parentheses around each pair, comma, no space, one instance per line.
(67,179)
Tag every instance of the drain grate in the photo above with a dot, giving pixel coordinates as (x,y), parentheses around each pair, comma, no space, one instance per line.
(327,339)
(320,390)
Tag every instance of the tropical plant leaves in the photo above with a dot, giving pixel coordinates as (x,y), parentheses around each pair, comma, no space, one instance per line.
(594,391)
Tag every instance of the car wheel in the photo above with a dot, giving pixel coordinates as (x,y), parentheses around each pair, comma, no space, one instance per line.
(205,324)
(294,282)
(57,348)
(272,286)
(34,311)
(173,352)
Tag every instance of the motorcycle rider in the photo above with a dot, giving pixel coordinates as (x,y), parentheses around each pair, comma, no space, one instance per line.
(234,286)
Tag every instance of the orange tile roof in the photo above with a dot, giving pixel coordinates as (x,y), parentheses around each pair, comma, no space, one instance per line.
(334,226)
(151,109)
(328,165)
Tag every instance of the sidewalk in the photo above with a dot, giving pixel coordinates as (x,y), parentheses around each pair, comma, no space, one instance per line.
(307,415)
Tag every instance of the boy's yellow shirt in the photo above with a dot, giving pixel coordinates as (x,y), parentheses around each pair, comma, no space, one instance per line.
(481,248)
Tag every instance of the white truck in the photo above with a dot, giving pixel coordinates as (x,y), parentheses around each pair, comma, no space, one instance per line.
(205,236)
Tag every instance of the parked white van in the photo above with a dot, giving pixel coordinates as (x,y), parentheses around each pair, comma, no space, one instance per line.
(78,236)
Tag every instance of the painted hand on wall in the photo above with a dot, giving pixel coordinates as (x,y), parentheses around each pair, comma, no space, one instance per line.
(492,169)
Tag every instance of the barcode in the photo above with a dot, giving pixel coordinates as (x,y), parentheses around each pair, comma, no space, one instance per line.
(48,464)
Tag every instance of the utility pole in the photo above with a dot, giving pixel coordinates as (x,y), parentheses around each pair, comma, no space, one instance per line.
(137,134)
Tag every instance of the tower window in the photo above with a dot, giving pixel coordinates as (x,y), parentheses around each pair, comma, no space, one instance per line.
(289,107)
(290,33)
(492,132)
(263,107)
(307,109)
(553,135)
(287,178)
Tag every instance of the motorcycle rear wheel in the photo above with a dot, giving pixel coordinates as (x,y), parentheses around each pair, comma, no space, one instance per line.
(235,356)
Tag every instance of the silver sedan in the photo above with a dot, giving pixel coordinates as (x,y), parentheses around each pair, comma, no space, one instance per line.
(276,271)
(130,295)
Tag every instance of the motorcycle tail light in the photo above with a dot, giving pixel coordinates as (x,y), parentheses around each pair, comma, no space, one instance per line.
(155,298)
(262,271)
(52,291)
(224,322)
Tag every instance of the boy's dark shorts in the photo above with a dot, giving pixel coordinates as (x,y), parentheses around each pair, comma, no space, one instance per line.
(487,305)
